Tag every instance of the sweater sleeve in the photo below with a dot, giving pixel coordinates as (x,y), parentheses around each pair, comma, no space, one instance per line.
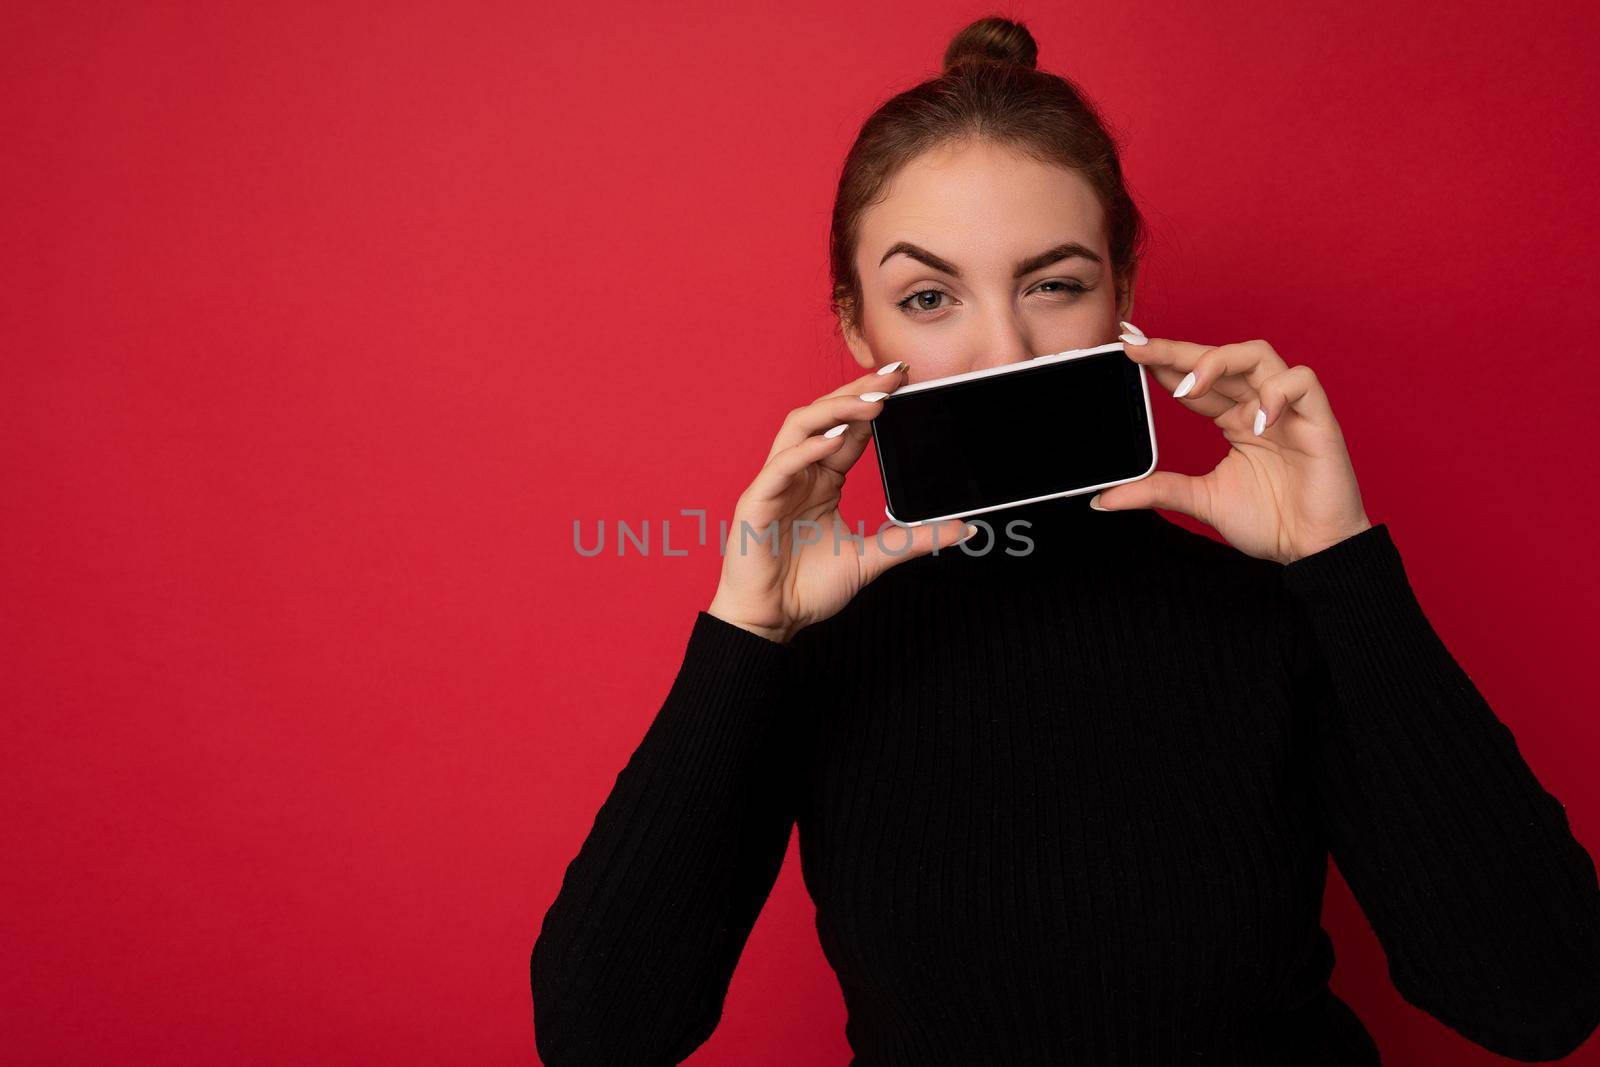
(634,957)
(1467,869)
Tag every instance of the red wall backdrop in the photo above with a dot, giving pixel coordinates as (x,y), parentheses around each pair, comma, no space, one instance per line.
(323,323)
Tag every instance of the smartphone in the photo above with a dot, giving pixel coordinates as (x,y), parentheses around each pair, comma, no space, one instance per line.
(1058,425)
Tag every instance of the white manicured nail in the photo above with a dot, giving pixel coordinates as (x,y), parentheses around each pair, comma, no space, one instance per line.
(870,397)
(1131,328)
(1134,339)
(837,430)
(1261,420)
(890,368)
(1185,385)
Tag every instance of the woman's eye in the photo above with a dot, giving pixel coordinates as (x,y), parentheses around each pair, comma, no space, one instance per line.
(918,303)
(927,301)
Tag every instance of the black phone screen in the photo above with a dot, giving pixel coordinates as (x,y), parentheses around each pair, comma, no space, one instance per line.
(1013,436)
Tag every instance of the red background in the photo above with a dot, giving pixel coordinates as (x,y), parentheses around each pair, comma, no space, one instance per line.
(321,327)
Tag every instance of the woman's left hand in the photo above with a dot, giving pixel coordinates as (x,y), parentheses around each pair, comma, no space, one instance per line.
(1286,488)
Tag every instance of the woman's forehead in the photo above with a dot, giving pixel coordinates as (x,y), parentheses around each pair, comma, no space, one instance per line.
(982,204)
(990,230)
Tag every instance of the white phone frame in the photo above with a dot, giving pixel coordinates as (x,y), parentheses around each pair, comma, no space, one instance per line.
(1009,368)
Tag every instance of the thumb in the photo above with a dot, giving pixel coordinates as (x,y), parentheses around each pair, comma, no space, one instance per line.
(1163,489)
(896,544)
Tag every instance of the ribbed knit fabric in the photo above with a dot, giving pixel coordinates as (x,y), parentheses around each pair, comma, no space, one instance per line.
(1075,807)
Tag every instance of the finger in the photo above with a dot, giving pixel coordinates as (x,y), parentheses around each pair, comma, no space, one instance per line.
(1299,390)
(1182,493)
(827,412)
(855,438)
(780,471)
(1235,371)
(1170,379)
(895,544)
(894,374)
(833,408)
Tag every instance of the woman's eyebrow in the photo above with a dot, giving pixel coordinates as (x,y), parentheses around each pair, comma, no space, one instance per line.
(1068,250)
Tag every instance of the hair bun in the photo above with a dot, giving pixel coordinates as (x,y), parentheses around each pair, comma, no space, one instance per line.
(993,40)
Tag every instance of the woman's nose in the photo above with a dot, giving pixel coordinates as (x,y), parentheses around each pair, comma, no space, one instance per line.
(1006,341)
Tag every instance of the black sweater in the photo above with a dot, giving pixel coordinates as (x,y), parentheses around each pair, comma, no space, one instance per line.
(1075,806)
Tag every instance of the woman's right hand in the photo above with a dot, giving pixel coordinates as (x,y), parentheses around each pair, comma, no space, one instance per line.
(777,593)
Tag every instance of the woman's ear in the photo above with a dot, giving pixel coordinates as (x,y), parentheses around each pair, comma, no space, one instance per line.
(858,346)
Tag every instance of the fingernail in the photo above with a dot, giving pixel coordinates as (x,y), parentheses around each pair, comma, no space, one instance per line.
(1094,502)
(967,531)
(1185,385)
(869,397)
(837,430)
(890,368)
(1134,339)
(1261,420)
(1131,328)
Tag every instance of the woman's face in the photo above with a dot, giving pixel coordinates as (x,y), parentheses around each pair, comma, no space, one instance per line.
(979,256)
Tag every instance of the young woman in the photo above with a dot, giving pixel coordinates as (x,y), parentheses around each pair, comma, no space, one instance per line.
(1073,804)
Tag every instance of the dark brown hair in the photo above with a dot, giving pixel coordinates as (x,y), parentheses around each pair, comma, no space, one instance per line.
(991,89)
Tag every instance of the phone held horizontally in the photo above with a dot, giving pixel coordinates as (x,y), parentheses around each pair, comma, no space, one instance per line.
(1057,425)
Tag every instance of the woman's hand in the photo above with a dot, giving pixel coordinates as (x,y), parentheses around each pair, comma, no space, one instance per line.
(1286,488)
(778,586)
